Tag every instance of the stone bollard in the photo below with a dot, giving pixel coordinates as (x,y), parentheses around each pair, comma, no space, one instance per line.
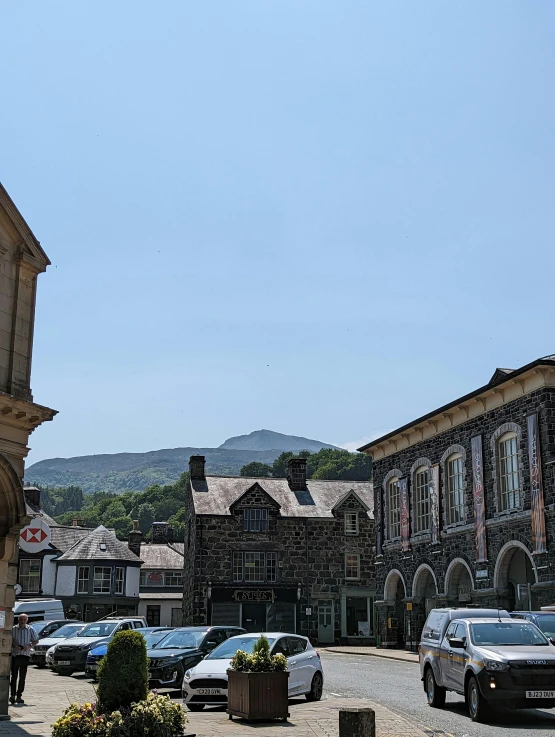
(357,722)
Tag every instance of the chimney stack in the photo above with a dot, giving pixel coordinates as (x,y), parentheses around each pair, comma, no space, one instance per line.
(160,532)
(77,522)
(196,468)
(296,474)
(135,538)
(32,496)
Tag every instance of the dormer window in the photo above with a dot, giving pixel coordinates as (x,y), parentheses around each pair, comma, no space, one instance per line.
(351,523)
(255,519)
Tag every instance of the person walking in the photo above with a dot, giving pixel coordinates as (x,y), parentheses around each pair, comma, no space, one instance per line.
(23,638)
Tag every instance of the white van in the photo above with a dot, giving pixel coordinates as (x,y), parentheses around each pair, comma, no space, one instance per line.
(39,609)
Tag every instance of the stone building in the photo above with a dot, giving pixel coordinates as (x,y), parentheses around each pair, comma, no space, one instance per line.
(465,504)
(21,261)
(161,584)
(290,554)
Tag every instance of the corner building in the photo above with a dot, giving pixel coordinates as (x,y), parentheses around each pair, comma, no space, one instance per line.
(465,504)
(290,555)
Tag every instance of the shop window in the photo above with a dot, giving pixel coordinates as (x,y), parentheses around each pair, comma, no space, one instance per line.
(352,566)
(509,472)
(359,616)
(255,519)
(29,575)
(255,567)
(83,573)
(119,581)
(422,499)
(351,523)
(455,488)
(102,580)
(393,509)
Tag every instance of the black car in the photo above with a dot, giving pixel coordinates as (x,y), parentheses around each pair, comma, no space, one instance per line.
(182,649)
(545,621)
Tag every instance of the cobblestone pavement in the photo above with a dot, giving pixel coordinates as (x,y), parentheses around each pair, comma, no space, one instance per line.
(373,651)
(47,695)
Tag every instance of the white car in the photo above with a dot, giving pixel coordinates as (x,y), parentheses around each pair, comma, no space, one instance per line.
(38,653)
(206,683)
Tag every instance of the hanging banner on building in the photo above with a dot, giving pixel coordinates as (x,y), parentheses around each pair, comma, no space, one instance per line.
(404,514)
(479,501)
(378,519)
(536,486)
(434,502)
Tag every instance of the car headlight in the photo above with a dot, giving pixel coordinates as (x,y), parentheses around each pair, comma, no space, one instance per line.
(85,647)
(188,675)
(496,665)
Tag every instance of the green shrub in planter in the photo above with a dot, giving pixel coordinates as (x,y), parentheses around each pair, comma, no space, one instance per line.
(123,672)
(260,661)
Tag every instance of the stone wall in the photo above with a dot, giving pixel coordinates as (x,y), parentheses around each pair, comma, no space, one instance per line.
(506,531)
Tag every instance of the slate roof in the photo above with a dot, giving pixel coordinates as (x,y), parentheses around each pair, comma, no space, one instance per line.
(64,537)
(216,494)
(162,556)
(33,511)
(88,548)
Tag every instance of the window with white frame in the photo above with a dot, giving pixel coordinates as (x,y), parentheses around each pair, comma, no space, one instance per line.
(119,581)
(255,567)
(83,580)
(29,575)
(102,580)
(255,519)
(508,472)
(173,578)
(351,523)
(455,493)
(352,566)
(393,509)
(421,500)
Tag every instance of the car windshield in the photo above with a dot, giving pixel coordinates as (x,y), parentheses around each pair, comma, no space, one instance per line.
(181,639)
(67,630)
(227,649)
(507,633)
(153,638)
(547,625)
(98,629)
(39,626)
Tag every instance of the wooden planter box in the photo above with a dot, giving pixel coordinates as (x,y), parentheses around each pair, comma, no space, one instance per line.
(258,695)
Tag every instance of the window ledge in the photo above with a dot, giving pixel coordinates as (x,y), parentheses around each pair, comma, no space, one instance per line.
(421,537)
(458,527)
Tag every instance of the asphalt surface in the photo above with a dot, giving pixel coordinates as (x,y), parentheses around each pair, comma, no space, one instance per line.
(397,686)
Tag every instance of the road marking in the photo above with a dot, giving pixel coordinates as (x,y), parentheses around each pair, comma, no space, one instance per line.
(335,694)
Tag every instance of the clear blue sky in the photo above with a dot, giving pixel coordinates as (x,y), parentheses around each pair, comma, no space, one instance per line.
(321,218)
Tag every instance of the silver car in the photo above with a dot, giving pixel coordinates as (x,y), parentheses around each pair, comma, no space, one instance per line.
(499,662)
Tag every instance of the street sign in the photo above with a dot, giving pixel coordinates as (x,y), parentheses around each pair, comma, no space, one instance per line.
(35,537)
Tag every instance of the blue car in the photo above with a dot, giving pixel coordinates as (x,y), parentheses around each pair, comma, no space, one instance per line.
(152,636)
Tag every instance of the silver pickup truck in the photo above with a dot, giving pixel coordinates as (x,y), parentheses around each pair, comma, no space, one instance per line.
(499,662)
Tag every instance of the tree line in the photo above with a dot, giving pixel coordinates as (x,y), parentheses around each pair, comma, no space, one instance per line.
(325,464)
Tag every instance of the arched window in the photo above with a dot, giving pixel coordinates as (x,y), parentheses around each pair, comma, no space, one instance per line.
(509,480)
(393,509)
(455,488)
(421,499)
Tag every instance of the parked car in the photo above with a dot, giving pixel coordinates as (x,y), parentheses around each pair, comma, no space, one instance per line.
(544,620)
(501,662)
(182,649)
(206,683)
(45,627)
(39,610)
(38,653)
(71,655)
(152,635)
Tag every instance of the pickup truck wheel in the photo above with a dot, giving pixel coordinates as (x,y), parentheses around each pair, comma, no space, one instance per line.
(434,693)
(478,707)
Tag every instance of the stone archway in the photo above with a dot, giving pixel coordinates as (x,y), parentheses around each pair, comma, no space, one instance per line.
(424,586)
(395,592)
(458,582)
(515,573)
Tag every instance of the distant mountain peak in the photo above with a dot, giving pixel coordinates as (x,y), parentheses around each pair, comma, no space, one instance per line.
(270,440)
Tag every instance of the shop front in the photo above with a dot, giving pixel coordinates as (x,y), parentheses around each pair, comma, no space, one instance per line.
(257,610)
(357,614)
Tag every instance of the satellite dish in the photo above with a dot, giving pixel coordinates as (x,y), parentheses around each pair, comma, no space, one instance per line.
(18,589)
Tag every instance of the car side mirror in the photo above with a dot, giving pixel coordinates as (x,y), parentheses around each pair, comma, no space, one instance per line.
(210,645)
(457,642)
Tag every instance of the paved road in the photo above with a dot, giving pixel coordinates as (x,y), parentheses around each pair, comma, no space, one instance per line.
(397,686)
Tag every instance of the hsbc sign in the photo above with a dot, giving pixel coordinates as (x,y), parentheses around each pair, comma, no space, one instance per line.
(35,537)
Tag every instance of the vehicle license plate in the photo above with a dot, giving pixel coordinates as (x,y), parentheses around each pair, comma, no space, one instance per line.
(540,694)
(92,666)
(209,691)
(63,662)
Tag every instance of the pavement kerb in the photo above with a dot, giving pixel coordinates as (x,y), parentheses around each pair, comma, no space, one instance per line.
(404,657)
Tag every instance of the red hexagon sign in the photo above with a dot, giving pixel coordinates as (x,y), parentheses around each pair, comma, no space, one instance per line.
(35,537)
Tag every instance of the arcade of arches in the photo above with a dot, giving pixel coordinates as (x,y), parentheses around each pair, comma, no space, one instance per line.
(406,601)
